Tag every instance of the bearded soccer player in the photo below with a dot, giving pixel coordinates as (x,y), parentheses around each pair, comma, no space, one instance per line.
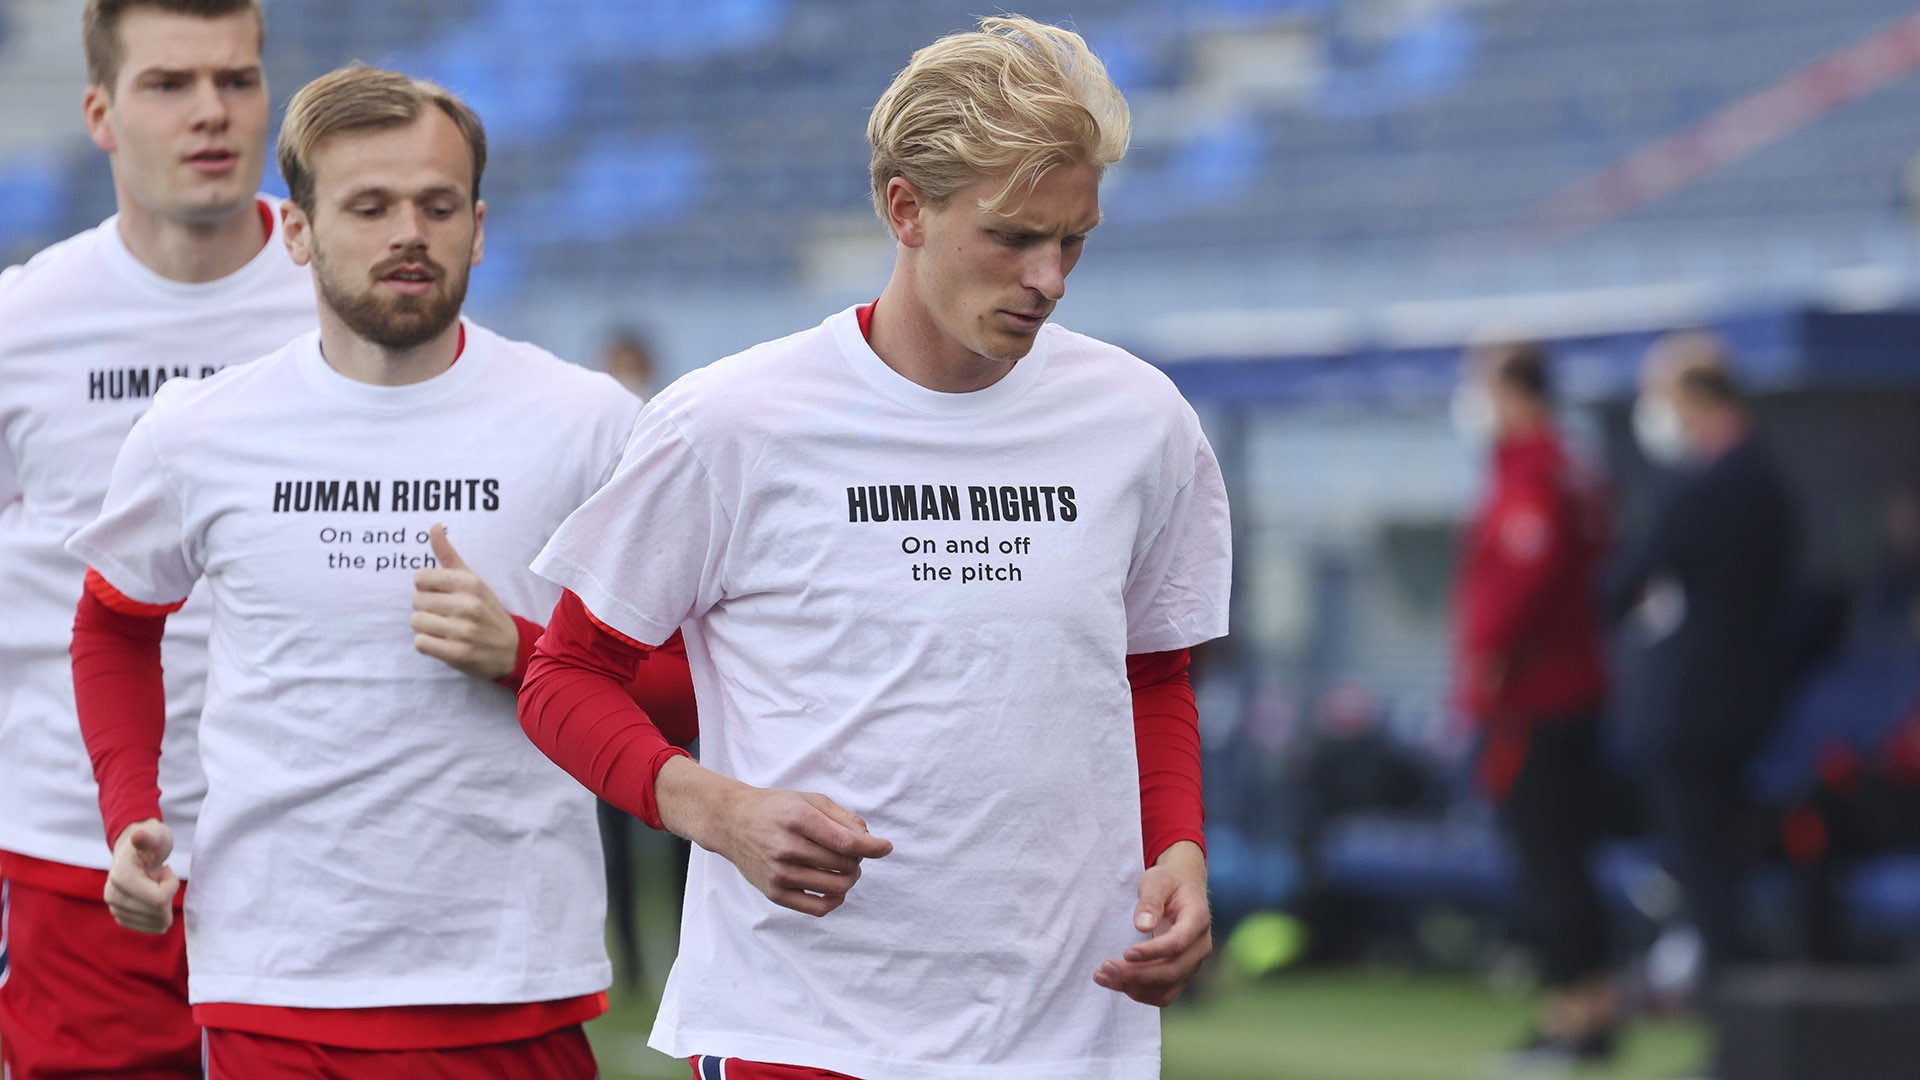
(939,565)
(390,881)
(186,278)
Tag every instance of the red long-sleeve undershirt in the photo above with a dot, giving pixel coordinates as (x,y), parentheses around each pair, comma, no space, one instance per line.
(1166,740)
(121,697)
(573,708)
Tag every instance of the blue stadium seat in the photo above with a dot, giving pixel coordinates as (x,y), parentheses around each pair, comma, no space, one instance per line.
(618,184)
(32,202)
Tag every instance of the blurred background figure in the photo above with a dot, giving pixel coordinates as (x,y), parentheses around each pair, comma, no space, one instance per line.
(628,357)
(1711,584)
(1529,675)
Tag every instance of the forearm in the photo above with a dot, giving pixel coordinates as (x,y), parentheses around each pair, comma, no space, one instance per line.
(694,801)
(1167,743)
(587,724)
(576,707)
(120,697)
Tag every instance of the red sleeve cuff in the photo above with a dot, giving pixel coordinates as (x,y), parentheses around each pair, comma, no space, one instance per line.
(530,632)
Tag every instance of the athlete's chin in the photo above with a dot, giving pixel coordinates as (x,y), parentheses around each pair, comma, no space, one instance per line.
(1007,348)
(212,203)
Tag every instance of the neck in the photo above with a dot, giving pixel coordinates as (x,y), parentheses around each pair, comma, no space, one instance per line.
(370,362)
(192,253)
(906,339)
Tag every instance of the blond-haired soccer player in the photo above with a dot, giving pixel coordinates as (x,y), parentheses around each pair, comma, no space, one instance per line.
(390,881)
(186,278)
(939,565)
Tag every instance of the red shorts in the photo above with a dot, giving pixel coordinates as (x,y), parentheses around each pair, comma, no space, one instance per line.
(562,1054)
(713,1068)
(82,996)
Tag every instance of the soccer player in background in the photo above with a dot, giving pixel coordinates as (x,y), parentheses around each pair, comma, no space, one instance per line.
(186,278)
(939,566)
(390,880)
(1529,674)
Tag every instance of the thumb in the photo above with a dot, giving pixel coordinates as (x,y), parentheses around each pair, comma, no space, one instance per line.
(859,841)
(443,548)
(1155,891)
(152,846)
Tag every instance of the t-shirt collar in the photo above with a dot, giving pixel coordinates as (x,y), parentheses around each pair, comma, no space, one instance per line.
(121,260)
(473,359)
(874,371)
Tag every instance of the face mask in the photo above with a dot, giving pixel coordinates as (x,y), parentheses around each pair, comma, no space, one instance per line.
(1472,412)
(1656,427)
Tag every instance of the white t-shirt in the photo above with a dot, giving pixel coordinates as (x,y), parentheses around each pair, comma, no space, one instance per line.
(88,334)
(377,829)
(919,604)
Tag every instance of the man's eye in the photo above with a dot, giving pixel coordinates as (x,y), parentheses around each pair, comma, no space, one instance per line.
(243,82)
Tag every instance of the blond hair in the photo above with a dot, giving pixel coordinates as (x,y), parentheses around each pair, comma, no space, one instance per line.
(362,98)
(1015,98)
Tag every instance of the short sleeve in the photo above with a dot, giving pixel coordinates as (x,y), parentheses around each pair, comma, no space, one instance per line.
(645,553)
(138,543)
(1178,586)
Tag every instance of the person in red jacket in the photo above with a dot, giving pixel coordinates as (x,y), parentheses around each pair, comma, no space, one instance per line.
(1530,677)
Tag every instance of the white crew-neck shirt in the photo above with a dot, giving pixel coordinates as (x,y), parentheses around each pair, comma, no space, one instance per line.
(88,335)
(377,829)
(919,604)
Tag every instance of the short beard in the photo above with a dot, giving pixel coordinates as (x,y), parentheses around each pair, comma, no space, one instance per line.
(404,322)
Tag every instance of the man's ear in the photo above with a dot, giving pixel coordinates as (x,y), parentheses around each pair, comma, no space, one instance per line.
(297,231)
(93,113)
(479,231)
(907,210)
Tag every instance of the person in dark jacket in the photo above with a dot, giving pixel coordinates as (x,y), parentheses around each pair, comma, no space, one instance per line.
(1713,580)
(1529,674)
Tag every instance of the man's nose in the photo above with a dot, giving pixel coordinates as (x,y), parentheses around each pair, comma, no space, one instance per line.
(209,106)
(1046,274)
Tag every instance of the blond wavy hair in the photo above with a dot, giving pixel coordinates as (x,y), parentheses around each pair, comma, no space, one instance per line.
(1015,98)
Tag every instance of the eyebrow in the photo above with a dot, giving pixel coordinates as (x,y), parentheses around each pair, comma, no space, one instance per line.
(383,192)
(1025,231)
(180,73)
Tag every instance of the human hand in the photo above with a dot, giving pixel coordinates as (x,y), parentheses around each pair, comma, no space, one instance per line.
(801,849)
(456,618)
(1173,908)
(140,884)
